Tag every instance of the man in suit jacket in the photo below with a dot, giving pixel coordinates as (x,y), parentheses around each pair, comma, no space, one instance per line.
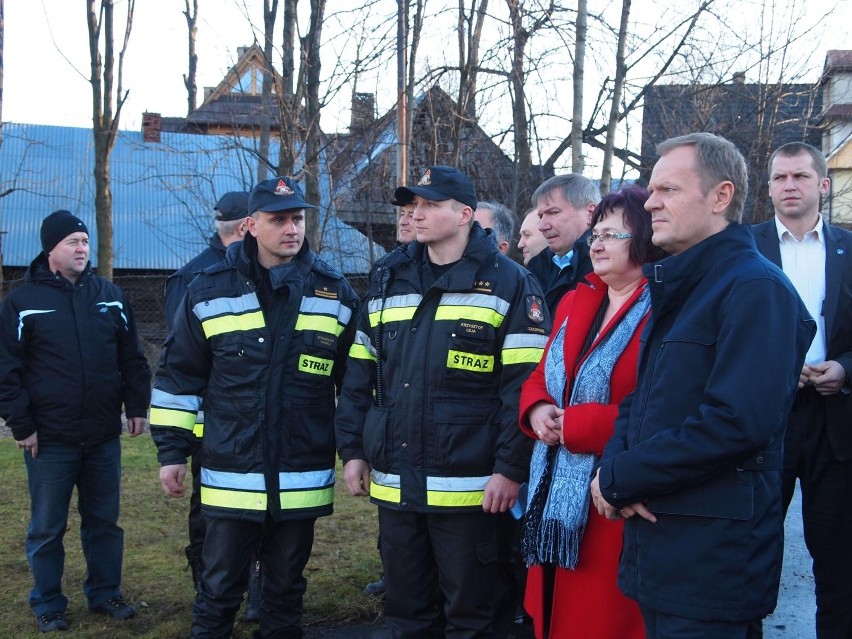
(564,204)
(817,257)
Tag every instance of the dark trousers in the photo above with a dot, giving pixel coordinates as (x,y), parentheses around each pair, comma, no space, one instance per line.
(662,626)
(196,518)
(512,579)
(826,510)
(455,551)
(51,477)
(229,545)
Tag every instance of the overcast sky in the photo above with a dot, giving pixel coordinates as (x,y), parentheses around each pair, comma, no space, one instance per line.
(46,59)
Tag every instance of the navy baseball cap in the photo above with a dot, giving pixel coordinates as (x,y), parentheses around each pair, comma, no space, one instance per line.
(278,194)
(396,201)
(232,206)
(438,184)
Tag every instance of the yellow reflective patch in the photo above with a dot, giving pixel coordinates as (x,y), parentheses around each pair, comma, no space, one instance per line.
(321,323)
(476,313)
(359,351)
(401,314)
(172,418)
(454,499)
(296,499)
(470,362)
(522,355)
(315,365)
(385,493)
(232,323)
(237,499)
(198,429)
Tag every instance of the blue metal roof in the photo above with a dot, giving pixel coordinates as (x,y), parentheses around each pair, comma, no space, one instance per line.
(163,194)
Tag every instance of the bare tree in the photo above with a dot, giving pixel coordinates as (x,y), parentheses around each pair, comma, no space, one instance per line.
(189,79)
(469,35)
(521,35)
(270,11)
(618,87)
(581,26)
(312,67)
(108,97)
(288,101)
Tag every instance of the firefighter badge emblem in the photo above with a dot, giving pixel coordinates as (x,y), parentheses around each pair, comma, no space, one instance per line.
(534,309)
(426,180)
(282,189)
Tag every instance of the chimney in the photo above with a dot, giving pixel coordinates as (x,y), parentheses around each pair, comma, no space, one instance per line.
(152,126)
(739,77)
(363,111)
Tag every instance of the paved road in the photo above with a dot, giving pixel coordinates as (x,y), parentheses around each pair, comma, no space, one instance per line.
(793,617)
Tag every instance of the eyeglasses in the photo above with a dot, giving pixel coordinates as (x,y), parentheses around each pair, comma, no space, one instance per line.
(608,238)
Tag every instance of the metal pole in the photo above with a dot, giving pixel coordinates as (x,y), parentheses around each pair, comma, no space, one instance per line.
(402,106)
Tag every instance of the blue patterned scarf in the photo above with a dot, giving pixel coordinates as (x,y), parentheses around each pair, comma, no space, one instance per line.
(559,505)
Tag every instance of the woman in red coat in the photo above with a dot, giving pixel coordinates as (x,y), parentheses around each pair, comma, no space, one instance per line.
(569,405)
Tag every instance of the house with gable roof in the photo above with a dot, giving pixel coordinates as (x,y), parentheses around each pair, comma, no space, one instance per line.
(836,87)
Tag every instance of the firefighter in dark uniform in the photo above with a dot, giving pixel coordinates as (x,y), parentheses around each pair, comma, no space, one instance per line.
(231,212)
(263,337)
(427,420)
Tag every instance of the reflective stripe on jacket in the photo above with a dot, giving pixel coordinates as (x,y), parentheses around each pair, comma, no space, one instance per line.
(269,390)
(454,355)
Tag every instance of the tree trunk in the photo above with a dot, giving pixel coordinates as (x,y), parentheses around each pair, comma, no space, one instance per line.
(270,10)
(520,122)
(620,74)
(106,88)
(312,117)
(189,80)
(577,160)
(288,105)
(469,36)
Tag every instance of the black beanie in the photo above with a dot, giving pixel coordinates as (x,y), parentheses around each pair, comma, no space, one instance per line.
(57,226)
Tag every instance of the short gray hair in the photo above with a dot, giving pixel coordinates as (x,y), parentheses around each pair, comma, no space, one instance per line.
(716,160)
(503,219)
(577,190)
(226,228)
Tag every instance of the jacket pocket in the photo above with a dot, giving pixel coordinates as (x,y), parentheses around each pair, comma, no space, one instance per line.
(376,437)
(463,438)
(723,498)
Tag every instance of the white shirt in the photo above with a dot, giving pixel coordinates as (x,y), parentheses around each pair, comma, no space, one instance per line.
(804,263)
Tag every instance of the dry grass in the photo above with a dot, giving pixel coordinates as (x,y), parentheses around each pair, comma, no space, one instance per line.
(154,579)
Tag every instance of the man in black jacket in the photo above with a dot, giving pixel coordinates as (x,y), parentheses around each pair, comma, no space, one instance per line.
(69,359)
(565,204)
(263,337)
(817,257)
(231,213)
(427,419)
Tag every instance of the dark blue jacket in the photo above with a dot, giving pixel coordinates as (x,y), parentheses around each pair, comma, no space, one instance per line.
(700,439)
(178,281)
(69,359)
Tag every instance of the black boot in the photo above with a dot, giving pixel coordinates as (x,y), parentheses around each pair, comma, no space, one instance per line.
(255,592)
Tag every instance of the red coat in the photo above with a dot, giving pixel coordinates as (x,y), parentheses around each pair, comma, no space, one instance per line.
(586,601)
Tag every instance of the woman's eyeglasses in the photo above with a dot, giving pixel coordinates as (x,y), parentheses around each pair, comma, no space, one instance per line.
(608,238)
